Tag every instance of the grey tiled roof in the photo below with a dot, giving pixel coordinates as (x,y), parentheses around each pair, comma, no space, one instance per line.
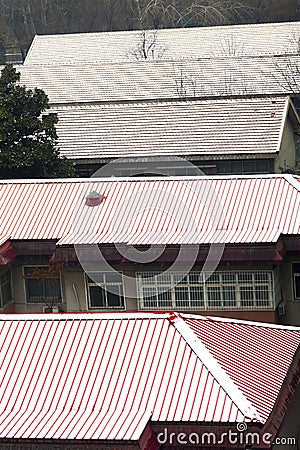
(144,80)
(237,40)
(217,127)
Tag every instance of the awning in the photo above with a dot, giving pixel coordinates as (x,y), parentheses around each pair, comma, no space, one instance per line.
(7,254)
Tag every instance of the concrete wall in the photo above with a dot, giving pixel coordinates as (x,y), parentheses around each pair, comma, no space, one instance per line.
(74,292)
(291,426)
(287,153)
(292,306)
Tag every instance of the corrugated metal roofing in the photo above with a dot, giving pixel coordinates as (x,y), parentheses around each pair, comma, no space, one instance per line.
(143,80)
(175,210)
(207,127)
(234,40)
(98,376)
(3,239)
(220,336)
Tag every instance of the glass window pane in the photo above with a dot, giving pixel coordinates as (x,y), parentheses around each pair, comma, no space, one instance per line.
(297,285)
(229,296)
(6,294)
(245,277)
(263,166)
(96,277)
(195,278)
(97,297)
(249,166)
(114,300)
(113,277)
(261,277)
(149,297)
(296,268)
(246,293)
(51,288)
(236,167)
(214,278)
(214,296)
(197,297)
(181,296)
(223,167)
(262,295)
(34,290)
(229,277)
(164,279)
(165,299)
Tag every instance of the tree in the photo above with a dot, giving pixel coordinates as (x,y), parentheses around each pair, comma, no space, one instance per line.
(148,47)
(28,139)
(179,13)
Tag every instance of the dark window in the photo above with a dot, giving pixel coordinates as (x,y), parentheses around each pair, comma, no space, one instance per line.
(249,166)
(41,285)
(5,288)
(296,280)
(105,290)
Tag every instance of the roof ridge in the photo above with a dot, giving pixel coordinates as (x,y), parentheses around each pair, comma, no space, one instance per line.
(241,322)
(288,177)
(216,370)
(292,180)
(182,29)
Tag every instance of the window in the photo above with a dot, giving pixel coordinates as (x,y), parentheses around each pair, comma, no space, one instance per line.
(42,284)
(296,280)
(5,288)
(222,290)
(105,290)
(249,166)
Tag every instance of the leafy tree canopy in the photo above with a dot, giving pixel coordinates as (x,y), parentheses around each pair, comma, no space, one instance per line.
(28,139)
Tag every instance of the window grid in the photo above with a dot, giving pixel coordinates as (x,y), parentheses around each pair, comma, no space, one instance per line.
(238,290)
(107,292)
(39,290)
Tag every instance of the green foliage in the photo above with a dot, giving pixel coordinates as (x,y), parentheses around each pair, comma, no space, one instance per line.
(28,139)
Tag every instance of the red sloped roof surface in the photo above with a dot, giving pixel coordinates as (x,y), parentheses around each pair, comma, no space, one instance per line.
(179,210)
(105,376)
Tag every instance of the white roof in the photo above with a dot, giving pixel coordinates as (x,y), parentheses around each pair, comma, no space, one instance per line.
(142,211)
(202,128)
(164,79)
(182,43)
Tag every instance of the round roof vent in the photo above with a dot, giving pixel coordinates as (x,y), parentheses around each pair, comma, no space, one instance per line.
(94,199)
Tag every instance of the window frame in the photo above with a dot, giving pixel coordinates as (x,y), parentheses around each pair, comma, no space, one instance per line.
(45,300)
(215,283)
(106,307)
(294,276)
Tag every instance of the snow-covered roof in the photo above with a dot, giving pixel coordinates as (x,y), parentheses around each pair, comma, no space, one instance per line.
(164,79)
(204,128)
(176,43)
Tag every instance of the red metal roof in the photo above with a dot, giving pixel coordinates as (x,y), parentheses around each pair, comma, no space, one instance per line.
(251,373)
(186,210)
(104,376)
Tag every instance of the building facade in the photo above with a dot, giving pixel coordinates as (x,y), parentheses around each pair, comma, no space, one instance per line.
(228,246)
